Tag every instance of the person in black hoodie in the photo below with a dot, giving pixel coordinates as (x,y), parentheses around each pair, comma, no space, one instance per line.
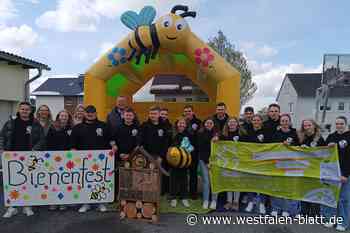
(341,138)
(178,176)
(22,133)
(206,134)
(246,122)
(310,136)
(155,140)
(288,136)
(58,138)
(193,126)
(272,123)
(92,134)
(231,132)
(220,116)
(257,135)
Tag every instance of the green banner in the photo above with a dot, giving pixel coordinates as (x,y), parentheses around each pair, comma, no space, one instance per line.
(299,173)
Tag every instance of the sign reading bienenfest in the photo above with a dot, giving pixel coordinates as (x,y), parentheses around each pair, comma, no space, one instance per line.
(33,178)
(308,174)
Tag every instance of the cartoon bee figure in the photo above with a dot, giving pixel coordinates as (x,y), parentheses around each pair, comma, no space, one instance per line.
(148,37)
(34,162)
(99,192)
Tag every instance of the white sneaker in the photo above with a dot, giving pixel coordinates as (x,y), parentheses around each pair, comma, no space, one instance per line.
(52,207)
(185,203)
(249,207)
(262,209)
(102,208)
(213,205)
(328,225)
(28,211)
(11,211)
(205,204)
(173,203)
(285,214)
(340,228)
(245,199)
(84,208)
(62,207)
(274,213)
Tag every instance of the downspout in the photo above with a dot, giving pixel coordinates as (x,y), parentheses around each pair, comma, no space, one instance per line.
(27,83)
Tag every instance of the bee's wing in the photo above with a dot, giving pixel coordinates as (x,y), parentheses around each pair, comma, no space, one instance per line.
(130,19)
(147,15)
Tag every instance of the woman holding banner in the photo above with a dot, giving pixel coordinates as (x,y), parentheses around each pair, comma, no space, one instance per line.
(232,132)
(288,136)
(257,135)
(23,133)
(310,136)
(341,138)
(58,138)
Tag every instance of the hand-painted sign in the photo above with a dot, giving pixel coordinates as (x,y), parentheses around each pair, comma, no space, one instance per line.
(57,177)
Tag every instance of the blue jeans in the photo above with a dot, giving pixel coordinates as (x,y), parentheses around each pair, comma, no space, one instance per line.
(206,182)
(281,204)
(343,209)
(257,198)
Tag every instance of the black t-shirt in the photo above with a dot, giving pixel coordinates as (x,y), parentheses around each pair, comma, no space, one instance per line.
(291,137)
(90,136)
(257,136)
(155,138)
(58,139)
(204,144)
(127,137)
(220,123)
(21,135)
(343,143)
(231,136)
(312,142)
(271,126)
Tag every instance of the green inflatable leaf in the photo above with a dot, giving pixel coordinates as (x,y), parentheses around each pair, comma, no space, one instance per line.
(115,84)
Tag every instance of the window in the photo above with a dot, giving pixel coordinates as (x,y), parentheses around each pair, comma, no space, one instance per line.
(328,108)
(188,99)
(341,106)
(291,107)
(328,127)
(169,99)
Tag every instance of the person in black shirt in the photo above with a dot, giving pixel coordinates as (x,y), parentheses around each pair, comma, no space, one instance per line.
(231,132)
(287,135)
(246,122)
(155,139)
(310,136)
(23,133)
(257,135)
(341,138)
(193,126)
(92,134)
(178,176)
(272,123)
(206,134)
(58,138)
(127,136)
(164,117)
(220,116)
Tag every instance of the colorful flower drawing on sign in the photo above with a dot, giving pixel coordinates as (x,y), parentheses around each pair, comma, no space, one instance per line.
(204,57)
(70,165)
(117,56)
(43,196)
(95,167)
(58,158)
(14,195)
(99,192)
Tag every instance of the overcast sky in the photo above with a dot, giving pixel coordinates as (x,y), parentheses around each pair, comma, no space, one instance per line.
(276,36)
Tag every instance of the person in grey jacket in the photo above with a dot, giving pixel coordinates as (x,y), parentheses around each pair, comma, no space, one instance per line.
(22,133)
(115,117)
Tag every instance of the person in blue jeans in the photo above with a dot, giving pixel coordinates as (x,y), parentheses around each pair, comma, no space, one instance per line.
(341,138)
(257,135)
(206,134)
(288,136)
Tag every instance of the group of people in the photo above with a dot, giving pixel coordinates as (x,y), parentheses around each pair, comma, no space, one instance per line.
(123,133)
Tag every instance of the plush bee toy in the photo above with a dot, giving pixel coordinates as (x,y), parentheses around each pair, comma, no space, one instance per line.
(148,36)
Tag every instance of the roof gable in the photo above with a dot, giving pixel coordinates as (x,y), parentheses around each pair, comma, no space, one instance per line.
(60,87)
(25,62)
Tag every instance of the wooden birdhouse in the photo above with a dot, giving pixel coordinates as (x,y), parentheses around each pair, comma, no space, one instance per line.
(139,187)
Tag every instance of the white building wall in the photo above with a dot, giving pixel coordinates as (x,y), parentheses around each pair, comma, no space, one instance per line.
(55,103)
(12,78)
(288,99)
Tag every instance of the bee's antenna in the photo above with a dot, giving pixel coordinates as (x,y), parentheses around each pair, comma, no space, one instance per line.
(179,8)
(189,14)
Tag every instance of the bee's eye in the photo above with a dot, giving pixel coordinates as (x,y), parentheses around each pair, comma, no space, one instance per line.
(181,24)
(167,22)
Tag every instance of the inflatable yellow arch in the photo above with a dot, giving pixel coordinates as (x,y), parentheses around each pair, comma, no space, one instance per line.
(165,47)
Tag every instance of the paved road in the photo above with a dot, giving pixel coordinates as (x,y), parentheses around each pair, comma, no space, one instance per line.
(93,222)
